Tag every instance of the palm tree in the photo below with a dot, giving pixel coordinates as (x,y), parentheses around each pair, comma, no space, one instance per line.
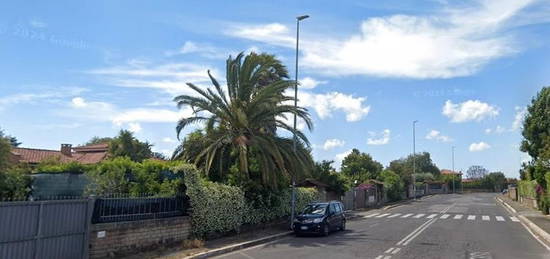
(242,119)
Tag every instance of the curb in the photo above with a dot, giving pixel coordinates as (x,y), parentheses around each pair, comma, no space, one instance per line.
(526,222)
(235,247)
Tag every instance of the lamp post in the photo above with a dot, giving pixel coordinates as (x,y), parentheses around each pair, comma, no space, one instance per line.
(453,161)
(293,199)
(414,159)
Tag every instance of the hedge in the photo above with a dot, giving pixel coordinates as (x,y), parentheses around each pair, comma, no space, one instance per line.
(527,188)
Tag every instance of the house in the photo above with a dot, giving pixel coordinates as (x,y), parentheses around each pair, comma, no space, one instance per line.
(325,193)
(450,172)
(89,154)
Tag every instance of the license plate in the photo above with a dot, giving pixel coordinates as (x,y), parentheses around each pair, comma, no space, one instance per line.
(303,227)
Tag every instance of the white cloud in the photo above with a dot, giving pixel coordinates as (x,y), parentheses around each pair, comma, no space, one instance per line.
(37,23)
(203,49)
(35,98)
(488,131)
(471,110)
(325,104)
(437,136)
(455,41)
(379,139)
(102,111)
(480,146)
(339,157)
(518,118)
(168,140)
(134,127)
(310,83)
(333,143)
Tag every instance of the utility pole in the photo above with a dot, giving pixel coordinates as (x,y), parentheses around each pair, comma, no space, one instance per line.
(453,159)
(293,198)
(414,159)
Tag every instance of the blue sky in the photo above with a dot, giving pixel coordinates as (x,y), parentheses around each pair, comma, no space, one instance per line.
(74,70)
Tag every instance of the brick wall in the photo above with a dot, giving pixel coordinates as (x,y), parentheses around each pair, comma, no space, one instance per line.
(110,240)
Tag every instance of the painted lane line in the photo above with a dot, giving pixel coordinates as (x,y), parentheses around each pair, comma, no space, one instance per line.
(382,215)
(444,216)
(499,218)
(514,219)
(431,216)
(389,250)
(419,216)
(371,215)
(387,257)
(394,215)
(485,217)
(396,251)
(472,217)
(407,215)
(419,232)
(413,232)
(379,257)
(458,216)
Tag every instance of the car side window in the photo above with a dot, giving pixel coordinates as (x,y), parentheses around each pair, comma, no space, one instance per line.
(339,206)
(333,208)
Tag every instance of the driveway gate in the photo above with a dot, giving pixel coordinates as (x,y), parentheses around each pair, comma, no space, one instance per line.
(45,229)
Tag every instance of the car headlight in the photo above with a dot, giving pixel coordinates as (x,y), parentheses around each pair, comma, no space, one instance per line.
(317,220)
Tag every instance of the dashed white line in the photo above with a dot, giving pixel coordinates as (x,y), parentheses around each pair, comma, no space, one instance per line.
(444,216)
(419,216)
(485,217)
(379,257)
(407,215)
(396,251)
(499,218)
(458,216)
(382,215)
(387,257)
(514,219)
(394,215)
(389,250)
(472,217)
(431,216)
(371,215)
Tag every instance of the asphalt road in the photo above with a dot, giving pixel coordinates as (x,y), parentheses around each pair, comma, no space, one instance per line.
(440,226)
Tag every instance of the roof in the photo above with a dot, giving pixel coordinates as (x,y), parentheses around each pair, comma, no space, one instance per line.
(312,182)
(85,155)
(446,171)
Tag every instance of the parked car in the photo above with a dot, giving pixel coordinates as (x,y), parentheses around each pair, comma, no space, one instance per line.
(320,218)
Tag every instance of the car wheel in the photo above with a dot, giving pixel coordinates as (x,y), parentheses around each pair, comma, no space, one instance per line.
(326,230)
(343,227)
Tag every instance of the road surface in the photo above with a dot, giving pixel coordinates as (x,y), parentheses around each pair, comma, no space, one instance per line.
(440,226)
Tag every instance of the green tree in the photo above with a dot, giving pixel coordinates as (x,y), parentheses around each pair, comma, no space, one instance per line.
(242,120)
(125,144)
(536,126)
(98,140)
(325,173)
(393,184)
(13,140)
(5,149)
(423,164)
(360,166)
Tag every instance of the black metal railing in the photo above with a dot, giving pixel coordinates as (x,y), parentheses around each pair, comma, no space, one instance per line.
(116,208)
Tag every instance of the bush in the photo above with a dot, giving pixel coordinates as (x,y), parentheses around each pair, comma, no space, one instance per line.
(54,166)
(527,189)
(14,183)
(216,208)
(392,184)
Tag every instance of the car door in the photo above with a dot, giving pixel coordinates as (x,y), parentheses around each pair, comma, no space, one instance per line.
(333,216)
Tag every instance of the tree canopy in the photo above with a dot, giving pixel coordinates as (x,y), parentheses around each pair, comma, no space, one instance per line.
(360,166)
(536,126)
(242,120)
(125,144)
(423,164)
(11,139)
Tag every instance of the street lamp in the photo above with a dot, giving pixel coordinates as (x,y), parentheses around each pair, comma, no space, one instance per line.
(293,199)
(414,158)
(453,160)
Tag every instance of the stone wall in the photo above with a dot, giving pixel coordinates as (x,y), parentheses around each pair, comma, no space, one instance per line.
(110,240)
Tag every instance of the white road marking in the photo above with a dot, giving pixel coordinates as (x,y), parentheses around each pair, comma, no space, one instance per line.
(431,216)
(406,240)
(396,251)
(485,217)
(421,230)
(444,216)
(247,256)
(382,215)
(458,216)
(387,257)
(389,250)
(514,219)
(413,232)
(472,217)
(419,216)
(407,215)
(394,215)
(371,215)
(499,218)
(480,255)
(379,257)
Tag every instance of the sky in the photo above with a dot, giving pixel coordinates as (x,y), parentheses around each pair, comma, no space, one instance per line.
(465,71)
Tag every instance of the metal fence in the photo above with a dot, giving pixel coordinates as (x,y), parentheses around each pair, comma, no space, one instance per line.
(117,208)
(45,229)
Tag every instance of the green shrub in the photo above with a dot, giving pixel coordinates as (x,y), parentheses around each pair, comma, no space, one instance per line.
(216,208)
(14,183)
(392,184)
(527,189)
(53,166)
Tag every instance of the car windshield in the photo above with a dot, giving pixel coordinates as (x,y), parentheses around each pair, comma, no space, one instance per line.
(318,209)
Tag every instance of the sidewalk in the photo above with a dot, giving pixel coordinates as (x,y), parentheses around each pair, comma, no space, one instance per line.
(534,217)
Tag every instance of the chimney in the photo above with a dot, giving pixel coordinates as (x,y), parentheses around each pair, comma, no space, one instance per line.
(66,149)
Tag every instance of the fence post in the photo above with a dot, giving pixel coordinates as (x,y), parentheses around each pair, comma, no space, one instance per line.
(89,213)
